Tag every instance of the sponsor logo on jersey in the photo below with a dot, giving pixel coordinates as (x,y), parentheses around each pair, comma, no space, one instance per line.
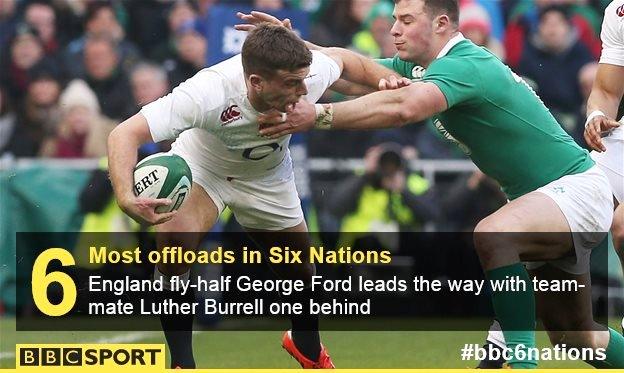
(620,11)
(418,72)
(231,114)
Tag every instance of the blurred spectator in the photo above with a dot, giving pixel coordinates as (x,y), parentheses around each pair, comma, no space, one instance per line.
(39,111)
(8,21)
(471,198)
(42,17)
(180,13)
(149,83)
(204,6)
(524,20)
(8,124)
(82,131)
(316,10)
(375,40)
(191,48)
(494,9)
(341,20)
(149,23)
(552,59)
(106,78)
(100,21)
(69,19)
(586,78)
(476,25)
(386,198)
(26,51)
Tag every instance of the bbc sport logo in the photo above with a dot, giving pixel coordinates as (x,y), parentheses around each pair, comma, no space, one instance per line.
(132,356)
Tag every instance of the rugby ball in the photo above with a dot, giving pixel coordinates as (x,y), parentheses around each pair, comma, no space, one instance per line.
(163,175)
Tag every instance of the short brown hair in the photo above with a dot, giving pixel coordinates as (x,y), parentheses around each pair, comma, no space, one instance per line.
(437,7)
(269,48)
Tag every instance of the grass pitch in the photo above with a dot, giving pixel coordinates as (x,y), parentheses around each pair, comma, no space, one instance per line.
(262,349)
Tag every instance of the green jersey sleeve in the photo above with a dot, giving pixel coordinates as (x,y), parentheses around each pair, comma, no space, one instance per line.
(459,81)
(398,65)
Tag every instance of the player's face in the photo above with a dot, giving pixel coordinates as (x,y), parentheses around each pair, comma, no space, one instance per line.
(412,31)
(285,88)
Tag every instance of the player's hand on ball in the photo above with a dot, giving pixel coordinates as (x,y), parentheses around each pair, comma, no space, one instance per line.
(143,210)
(392,82)
(255,18)
(299,118)
(598,127)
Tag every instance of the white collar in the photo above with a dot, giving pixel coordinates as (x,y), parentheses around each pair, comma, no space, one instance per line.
(450,44)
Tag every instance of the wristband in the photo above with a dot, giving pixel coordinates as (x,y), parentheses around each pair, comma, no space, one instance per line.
(594,114)
(324,116)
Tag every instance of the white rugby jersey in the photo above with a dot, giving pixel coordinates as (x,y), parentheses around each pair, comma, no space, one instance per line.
(612,36)
(214,121)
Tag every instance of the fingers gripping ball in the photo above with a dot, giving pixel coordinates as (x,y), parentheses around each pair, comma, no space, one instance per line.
(163,175)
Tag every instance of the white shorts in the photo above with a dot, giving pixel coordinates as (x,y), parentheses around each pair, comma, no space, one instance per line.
(612,161)
(268,203)
(587,203)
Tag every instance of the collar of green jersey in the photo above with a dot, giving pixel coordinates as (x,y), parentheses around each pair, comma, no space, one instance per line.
(450,44)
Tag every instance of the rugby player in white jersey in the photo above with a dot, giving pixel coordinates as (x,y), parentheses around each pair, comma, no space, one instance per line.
(213,117)
(602,131)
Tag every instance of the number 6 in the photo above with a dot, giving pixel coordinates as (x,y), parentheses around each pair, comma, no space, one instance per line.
(41,280)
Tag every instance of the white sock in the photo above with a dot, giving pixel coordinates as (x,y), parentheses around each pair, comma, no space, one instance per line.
(495,335)
(166,279)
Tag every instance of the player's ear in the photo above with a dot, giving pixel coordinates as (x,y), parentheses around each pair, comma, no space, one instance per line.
(256,81)
(441,23)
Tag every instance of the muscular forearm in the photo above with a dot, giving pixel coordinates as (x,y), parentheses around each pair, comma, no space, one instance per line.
(123,144)
(383,109)
(372,111)
(359,69)
(122,157)
(603,101)
(389,108)
(607,90)
(350,89)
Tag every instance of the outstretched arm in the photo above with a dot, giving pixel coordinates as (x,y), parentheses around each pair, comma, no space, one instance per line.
(383,109)
(362,70)
(347,88)
(603,103)
(365,74)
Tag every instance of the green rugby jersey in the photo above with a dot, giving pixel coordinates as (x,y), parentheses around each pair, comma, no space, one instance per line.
(497,119)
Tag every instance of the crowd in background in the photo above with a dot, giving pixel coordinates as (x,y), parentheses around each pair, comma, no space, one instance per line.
(71,70)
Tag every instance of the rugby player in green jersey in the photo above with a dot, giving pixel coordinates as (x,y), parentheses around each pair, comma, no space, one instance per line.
(493,115)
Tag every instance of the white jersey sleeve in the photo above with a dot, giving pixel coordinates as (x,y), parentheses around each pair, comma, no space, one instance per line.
(192,104)
(324,71)
(612,34)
